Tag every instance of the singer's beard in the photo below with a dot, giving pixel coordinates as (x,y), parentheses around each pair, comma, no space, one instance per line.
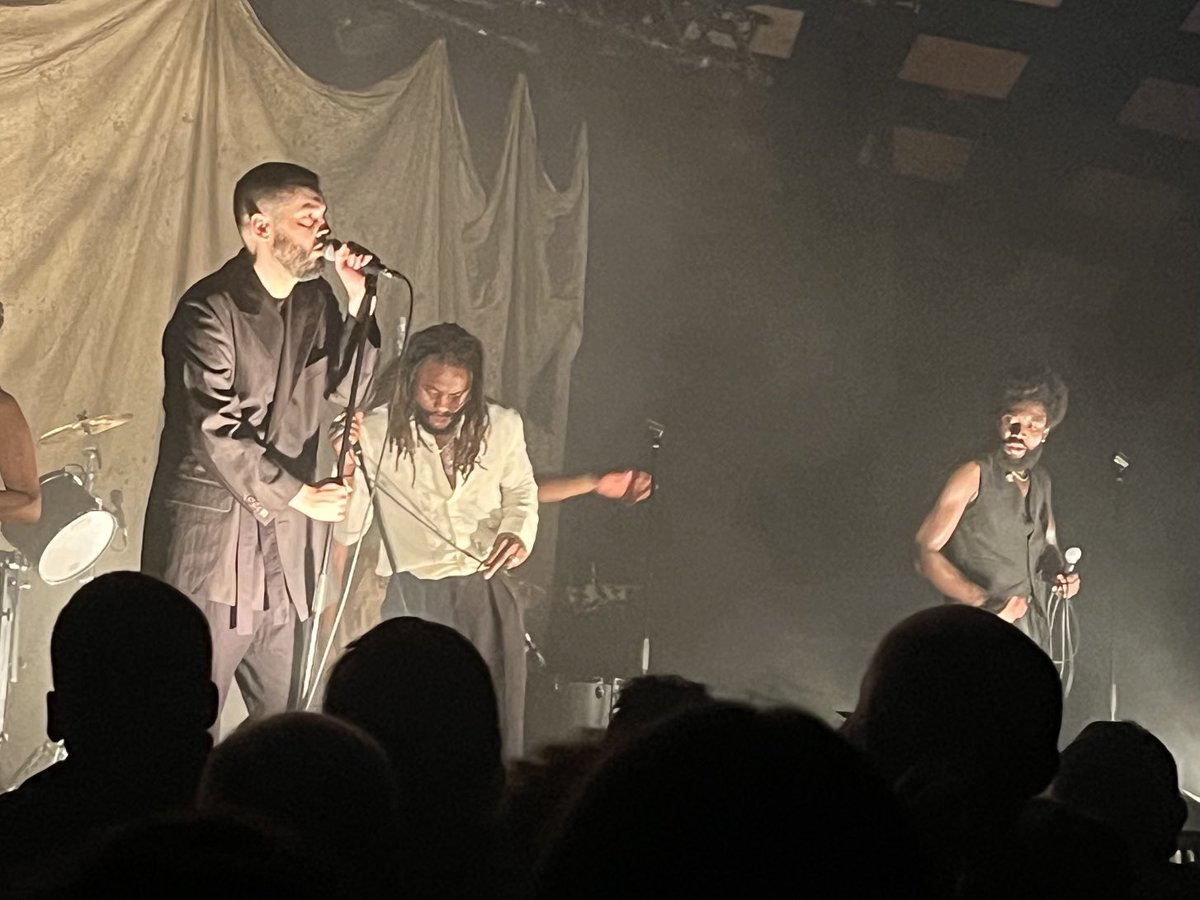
(1024,464)
(298,262)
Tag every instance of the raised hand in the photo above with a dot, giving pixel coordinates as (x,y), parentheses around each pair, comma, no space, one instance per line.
(630,486)
(348,265)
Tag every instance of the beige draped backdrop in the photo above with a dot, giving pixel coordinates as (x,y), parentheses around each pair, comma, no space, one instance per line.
(123,127)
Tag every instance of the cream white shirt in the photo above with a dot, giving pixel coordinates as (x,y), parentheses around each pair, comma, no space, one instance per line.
(424,520)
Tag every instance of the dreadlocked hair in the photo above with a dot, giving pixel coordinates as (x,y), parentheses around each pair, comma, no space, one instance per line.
(450,345)
(1035,386)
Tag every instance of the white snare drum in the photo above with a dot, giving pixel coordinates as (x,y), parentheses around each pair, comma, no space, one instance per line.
(73,532)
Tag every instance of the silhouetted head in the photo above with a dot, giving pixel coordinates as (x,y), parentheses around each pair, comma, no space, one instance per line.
(131,659)
(725,800)
(318,777)
(1121,774)
(649,699)
(191,854)
(960,712)
(538,792)
(424,692)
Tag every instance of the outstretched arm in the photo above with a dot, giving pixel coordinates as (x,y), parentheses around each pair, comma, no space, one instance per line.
(629,485)
(21,498)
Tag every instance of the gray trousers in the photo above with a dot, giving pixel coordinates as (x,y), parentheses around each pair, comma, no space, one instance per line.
(489,615)
(261,662)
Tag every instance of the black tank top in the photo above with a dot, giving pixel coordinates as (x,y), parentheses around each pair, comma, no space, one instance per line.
(1000,542)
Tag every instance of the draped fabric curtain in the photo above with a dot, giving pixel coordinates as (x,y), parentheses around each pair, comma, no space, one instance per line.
(123,127)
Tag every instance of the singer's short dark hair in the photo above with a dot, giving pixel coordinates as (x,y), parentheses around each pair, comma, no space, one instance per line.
(267,181)
(1040,385)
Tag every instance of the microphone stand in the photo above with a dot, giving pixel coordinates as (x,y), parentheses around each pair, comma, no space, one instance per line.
(656,435)
(321,588)
(1121,463)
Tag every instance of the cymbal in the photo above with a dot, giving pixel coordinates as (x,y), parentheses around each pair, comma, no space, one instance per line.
(86,425)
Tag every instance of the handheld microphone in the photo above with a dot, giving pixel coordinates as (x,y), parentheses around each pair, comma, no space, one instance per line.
(374,267)
(1072,555)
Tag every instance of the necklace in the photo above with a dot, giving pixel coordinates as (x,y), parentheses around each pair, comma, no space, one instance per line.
(1021,476)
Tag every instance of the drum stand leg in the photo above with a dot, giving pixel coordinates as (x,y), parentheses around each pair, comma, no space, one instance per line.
(43,757)
(49,752)
(10,572)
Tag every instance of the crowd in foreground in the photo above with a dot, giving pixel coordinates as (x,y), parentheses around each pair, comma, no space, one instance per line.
(945,782)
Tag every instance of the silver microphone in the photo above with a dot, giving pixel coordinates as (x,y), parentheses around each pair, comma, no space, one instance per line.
(1071,555)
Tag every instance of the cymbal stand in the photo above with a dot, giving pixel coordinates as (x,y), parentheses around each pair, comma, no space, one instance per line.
(91,468)
(12,582)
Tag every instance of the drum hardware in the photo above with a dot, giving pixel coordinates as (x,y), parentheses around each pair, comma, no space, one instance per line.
(76,527)
(13,580)
(91,466)
(84,425)
(589,704)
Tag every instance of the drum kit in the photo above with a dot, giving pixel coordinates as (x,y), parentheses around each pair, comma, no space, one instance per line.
(75,529)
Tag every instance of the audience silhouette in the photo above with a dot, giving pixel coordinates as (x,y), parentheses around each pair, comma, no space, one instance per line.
(939,786)
(320,779)
(192,855)
(1121,774)
(423,691)
(960,713)
(725,800)
(132,701)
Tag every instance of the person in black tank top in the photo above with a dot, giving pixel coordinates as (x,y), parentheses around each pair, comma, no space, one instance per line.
(989,540)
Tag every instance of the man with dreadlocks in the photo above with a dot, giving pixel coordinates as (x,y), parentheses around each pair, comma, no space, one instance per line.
(990,539)
(458,506)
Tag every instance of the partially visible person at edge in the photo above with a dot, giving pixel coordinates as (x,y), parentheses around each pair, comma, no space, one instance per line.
(20,490)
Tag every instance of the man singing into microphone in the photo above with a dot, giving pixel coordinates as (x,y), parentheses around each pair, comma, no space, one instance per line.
(251,354)
(990,540)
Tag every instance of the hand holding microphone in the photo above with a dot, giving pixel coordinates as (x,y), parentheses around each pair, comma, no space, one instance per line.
(353,263)
(1067,583)
(370,264)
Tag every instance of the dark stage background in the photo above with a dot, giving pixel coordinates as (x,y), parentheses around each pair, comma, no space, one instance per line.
(819,331)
